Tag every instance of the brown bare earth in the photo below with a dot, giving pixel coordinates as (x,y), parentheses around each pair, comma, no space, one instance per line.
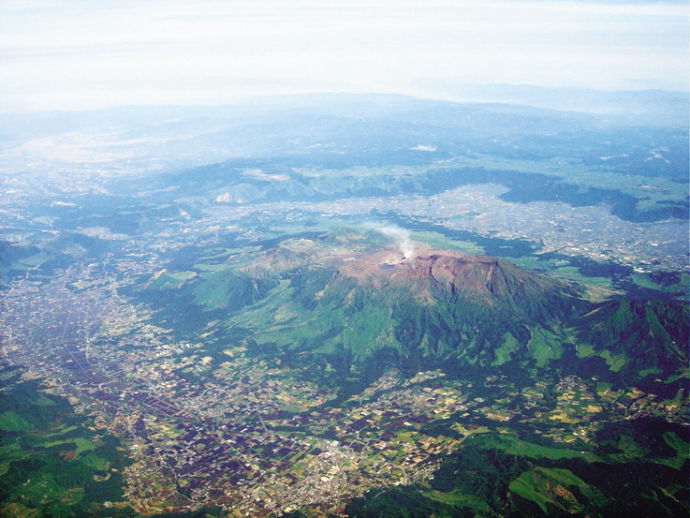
(479,276)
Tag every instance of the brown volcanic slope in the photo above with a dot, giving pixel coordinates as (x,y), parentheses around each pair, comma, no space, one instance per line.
(485,279)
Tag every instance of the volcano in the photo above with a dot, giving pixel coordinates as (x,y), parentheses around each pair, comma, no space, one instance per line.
(487,278)
(353,307)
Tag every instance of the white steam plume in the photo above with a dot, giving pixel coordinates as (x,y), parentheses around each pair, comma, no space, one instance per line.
(401,235)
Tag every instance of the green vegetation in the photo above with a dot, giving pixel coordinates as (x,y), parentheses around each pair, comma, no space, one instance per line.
(329,332)
(229,290)
(44,476)
(511,445)
(652,192)
(250,334)
(548,488)
(506,349)
(573,273)
(681,447)
(80,445)
(544,346)
(634,336)
(585,351)
(171,280)
(667,283)
(12,422)
(614,361)
(498,474)
(458,500)
(439,241)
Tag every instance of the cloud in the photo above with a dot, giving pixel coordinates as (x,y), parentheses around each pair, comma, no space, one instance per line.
(82,54)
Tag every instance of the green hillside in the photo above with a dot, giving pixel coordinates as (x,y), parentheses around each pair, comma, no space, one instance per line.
(343,298)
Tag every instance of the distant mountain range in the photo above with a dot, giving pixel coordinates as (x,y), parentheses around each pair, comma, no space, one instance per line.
(650,106)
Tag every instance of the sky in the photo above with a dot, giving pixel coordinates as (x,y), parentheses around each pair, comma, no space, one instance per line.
(75,54)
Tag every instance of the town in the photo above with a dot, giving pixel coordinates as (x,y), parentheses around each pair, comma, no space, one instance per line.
(225,430)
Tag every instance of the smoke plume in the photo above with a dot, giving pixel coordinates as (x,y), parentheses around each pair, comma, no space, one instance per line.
(401,236)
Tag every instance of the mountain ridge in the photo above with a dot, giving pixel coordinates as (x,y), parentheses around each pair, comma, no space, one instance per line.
(354,300)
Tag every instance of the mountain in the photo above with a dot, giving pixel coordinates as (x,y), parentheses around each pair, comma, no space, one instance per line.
(311,308)
(654,107)
(649,333)
(355,306)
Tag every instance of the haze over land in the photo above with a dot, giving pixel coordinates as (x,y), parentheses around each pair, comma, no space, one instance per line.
(226,290)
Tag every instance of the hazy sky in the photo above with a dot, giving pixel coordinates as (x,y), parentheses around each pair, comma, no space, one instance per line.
(77,54)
